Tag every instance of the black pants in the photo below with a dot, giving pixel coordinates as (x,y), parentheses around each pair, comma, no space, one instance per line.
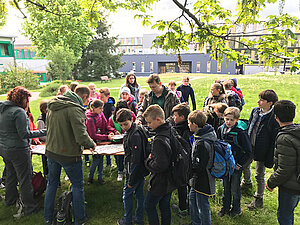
(182,197)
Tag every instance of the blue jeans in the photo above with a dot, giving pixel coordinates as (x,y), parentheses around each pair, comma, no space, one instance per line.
(199,208)
(75,174)
(232,191)
(120,163)
(286,206)
(97,162)
(138,190)
(164,206)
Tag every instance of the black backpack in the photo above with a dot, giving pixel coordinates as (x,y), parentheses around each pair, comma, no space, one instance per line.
(234,100)
(64,209)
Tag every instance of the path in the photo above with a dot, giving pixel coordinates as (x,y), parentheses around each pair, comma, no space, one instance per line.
(34,96)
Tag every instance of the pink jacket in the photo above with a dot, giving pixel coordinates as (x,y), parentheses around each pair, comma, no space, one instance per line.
(111,123)
(97,126)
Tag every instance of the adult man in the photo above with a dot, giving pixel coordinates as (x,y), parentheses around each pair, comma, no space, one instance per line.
(159,95)
(287,160)
(66,136)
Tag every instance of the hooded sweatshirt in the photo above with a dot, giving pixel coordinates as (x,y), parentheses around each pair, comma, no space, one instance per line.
(66,128)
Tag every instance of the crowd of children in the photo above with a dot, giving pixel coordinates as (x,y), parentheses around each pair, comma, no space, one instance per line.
(162,108)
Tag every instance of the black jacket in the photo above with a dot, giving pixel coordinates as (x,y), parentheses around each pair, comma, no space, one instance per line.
(239,141)
(134,157)
(183,130)
(186,92)
(109,107)
(159,164)
(263,150)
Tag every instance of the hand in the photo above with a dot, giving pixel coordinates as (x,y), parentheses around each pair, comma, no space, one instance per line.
(270,189)
(36,142)
(149,156)
(117,133)
(110,136)
(130,186)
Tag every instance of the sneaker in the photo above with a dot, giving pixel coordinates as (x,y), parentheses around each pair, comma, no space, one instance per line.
(234,213)
(2,186)
(245,186)
(123,222)
(120,177)
(20,207)
(223,212)
(89,181)
(256,203)
(101,181)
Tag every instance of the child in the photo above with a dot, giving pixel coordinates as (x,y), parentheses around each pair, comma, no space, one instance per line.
(186,89)
(41,121)
(262,131)
(93,90)
(202,182)
(216,95)
(73,85)
(180,115)
(125,95)
(142,94)
(131,83)
(118,130)
(62,89)
(233,99)
(172,87)
(232,132)
(134,168)
(34,141)
(97,128)
(287,160)
(158,163)
(214,114)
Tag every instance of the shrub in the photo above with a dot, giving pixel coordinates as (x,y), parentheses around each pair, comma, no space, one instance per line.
(52,88)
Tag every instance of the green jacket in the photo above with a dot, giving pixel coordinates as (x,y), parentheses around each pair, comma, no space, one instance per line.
(66,131)
(287,160)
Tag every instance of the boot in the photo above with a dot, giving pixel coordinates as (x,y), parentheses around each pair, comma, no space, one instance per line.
(256,203)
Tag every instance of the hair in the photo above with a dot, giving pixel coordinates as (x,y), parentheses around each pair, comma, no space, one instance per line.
(172,82)
(127,79)
(62,89)
(227,85)
(221,107)
(92,85)
(29,114)
(73,85)
(122,104)
(285,110)
(234,111)
(182,109)
(154,111)
(96,103)
(197,117)
(43,105)
(219,87)
(124,115)
(220,81)
(269,96)
(104,91)
(153,78)
(186,78)
(17,96)
(144,92)
(81,90)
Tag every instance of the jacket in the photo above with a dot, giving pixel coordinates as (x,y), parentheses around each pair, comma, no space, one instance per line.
(97,126)
(183,130)
(202,160)
(212,118)
(287,160)
(171,99)
(109,107)
(134,91)
(159,164)
(263,149)
(186,92)
(134,155)
(239,141)
(15,131)
(41,124)
(210,99)
(235,88)
(132,105)
(66,128)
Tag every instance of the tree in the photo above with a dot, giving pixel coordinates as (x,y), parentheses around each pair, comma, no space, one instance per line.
(99,58)
(62,62)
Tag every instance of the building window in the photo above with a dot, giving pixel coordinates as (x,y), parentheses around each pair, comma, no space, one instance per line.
(4,50)
(142,67)
(198,66)
(26,54)
(19,54)
(219,67)
(151,67)
(208,66)
(32,54)
(133,66)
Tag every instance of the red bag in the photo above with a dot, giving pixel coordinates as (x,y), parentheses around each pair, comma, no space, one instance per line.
(38,183)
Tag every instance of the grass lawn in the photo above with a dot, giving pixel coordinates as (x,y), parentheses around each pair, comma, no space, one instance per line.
(104,203)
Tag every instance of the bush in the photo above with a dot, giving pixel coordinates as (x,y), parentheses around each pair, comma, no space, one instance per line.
(51,89)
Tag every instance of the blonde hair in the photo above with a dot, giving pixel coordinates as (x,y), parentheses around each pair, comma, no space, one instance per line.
(144,92)
(154,111)
(234,111)
(92,85)
(197,117)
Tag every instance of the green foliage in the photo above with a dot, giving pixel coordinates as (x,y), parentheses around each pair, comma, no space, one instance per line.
(17,76)
(3,13)
(52,88)
(99,57)
(62,62)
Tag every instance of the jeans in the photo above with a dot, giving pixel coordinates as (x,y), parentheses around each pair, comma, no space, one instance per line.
(97,162)
(75,174)
(286,205)
(260,179)
(108,160)
(199,208)
(120,163)
(232,191)
(164,205)
(138,190)
(19,169)
(247,172)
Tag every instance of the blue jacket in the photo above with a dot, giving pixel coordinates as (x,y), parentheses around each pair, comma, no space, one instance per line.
(186,92)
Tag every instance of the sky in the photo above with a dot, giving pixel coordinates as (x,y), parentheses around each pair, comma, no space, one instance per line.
(124,24)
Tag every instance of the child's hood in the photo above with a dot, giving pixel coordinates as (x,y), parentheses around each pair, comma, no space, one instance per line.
(234,81)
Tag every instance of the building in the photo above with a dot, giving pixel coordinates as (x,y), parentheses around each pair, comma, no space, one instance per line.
(6,51)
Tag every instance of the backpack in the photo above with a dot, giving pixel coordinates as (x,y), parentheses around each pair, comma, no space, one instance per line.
(39,184)
(234,100)
(64,209)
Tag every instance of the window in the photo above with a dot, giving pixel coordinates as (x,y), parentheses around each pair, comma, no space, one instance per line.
(4,50)
(208,67)
(219,67)
(151,67)
(19,54)
(32,54)
(142,67)
(198,66)
(26,54)
(133,66)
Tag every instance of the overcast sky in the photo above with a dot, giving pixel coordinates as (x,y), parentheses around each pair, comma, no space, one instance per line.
(124,25)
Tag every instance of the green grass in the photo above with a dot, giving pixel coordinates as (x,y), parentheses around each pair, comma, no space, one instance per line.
(104,203)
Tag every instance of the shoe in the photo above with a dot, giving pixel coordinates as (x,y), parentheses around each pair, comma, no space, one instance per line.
(123,222)
(2,186)
(89,181)
(87,163)
(223,212)
(120,177)
(20,207)
(245,186)
(256,203)
(234,213)
(101,181)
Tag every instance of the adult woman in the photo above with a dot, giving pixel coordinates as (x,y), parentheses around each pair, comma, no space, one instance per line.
(15,137)
(131,83)
(216,95)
